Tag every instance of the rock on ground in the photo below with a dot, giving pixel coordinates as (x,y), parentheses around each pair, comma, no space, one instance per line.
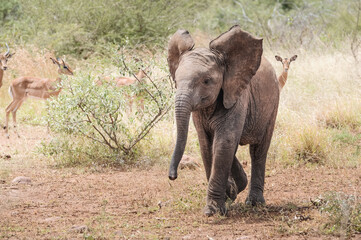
(79,229)
(21,179)
(188,162)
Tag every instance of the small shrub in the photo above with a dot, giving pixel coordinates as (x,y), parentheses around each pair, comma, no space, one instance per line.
(69,151)
(343,115)
(105,117)
(312,146)
(343,213)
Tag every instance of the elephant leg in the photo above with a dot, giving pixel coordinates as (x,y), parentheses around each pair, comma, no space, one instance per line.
(206,152)
(205,143)
(258,154)
(224,149)
(237,182)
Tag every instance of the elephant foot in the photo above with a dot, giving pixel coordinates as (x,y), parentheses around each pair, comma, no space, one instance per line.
(255,199)
(232,189)
(213,207)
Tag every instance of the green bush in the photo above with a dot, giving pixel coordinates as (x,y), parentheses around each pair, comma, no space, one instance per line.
(343,213)
(85,27)
(106,116)
(286,24)
(312,146)
(9,10)
(81,27)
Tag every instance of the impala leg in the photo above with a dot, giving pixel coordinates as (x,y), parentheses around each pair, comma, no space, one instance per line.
(130,104)
(142,104)
(18,105)
(14,123)
(9,109)
(48,122)
(6,126)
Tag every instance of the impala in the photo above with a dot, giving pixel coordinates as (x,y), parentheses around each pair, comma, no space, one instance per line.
(42,88)
(286,65)
(122,81)
(126,81)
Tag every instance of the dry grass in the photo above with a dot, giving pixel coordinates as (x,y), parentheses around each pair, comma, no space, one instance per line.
(322,91)
(343,114)
(312,146)
(318,79)
(33,62)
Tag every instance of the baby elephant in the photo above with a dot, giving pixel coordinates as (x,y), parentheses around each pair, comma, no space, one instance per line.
(233,93)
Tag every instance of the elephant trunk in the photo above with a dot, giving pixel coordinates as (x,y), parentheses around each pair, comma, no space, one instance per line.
(182,113)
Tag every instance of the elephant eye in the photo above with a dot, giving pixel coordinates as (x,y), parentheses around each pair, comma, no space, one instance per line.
(207,81)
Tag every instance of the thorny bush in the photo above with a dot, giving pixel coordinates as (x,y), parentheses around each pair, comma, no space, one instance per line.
(109,115)
(343,211)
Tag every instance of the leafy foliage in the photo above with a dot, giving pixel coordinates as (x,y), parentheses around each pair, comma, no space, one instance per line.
(84,27)
(78,26)
(105,114)
(287,24)
(9,10)
(344,213)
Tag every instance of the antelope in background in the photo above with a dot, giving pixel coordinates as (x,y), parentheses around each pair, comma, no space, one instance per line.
(122,81)
(42,88)
(286,65)
(3,62)
(126,81)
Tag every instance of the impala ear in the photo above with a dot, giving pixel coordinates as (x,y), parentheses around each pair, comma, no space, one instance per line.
(293,58)
(179,43)
(10,55)
(242,55)
(55,61)
(278,58)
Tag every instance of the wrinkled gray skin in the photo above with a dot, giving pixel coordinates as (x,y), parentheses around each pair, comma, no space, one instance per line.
(233,94)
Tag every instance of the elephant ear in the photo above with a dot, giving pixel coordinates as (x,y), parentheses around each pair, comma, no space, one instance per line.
(242,55)
(179,43)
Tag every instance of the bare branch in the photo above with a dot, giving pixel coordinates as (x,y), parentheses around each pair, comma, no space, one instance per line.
(151,95)
(106,142)
(149,126)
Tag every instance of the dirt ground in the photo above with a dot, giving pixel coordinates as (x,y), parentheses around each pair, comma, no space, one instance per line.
(144,204)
